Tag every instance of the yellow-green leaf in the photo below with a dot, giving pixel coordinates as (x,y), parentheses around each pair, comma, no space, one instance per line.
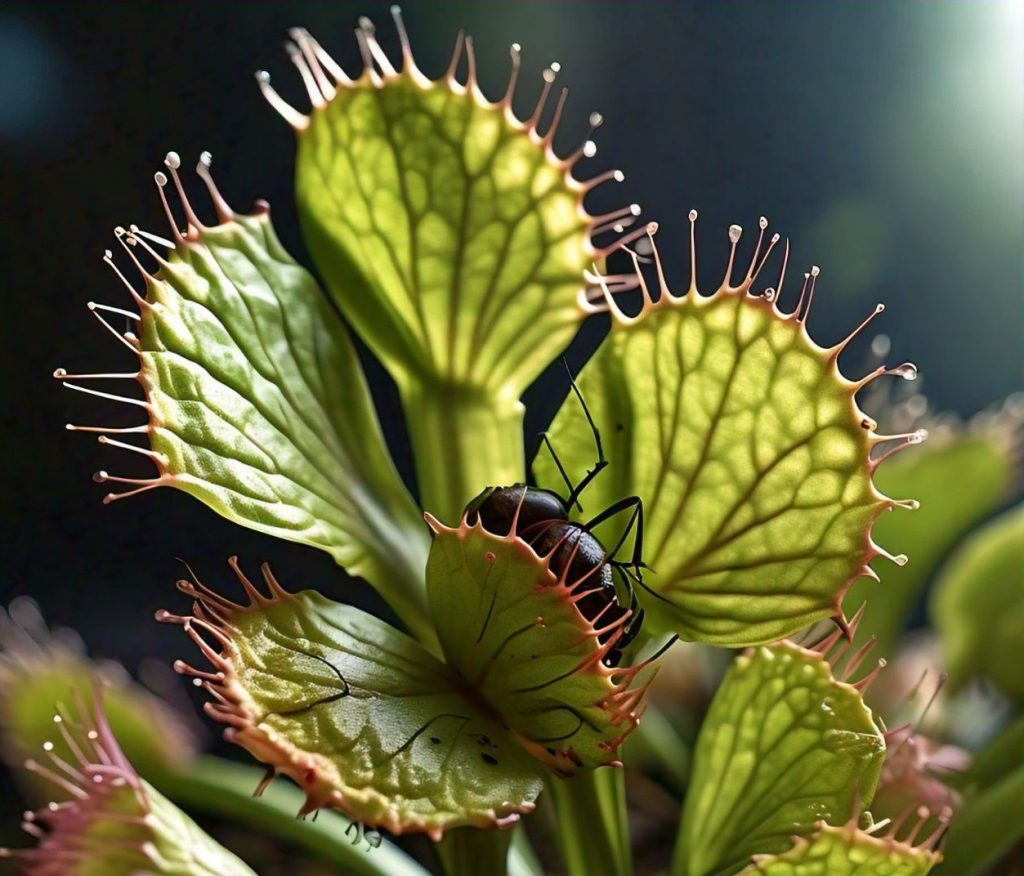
(846,851)
(358,714)
(453,238)
(258,406)
(448,231)
(747,447)
(784,745)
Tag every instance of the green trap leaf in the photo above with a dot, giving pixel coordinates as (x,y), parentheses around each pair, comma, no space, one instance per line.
(359,715)
(104,819)
(784,745)
(846,851)
(448,230)
(748,449)
(257,403)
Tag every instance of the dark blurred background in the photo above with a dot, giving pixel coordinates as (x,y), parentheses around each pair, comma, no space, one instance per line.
(887,138)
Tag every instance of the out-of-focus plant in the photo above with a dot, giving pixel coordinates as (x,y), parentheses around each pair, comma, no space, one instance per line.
(711,477)
(104,818)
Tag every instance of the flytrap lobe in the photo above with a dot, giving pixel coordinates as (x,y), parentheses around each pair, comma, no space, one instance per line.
(323,77)
(140,245)
(787,741)
(254,397)
(364,719)
(451,232)
(744,440)
(850,850)
(536,643)
(360,716)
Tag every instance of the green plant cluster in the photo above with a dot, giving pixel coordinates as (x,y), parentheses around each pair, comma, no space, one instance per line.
(712,482)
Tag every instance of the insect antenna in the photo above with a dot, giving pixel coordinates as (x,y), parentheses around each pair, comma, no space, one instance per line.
(637,579)
(573,498)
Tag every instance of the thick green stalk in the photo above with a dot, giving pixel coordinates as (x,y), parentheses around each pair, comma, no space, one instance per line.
(220,787)
(474,851)
(522,859)
(593,826)
(470,850)
(463,440)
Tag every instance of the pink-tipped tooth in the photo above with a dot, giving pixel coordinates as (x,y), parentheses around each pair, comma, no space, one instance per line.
(204,171)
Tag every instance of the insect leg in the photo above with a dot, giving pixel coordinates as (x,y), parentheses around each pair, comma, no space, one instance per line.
(636,519)
(558,464)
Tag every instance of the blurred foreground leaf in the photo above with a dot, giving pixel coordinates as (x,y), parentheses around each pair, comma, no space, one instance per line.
(42,671)
(978,606)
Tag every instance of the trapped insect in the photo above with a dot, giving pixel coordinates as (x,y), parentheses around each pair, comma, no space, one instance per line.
(541,518)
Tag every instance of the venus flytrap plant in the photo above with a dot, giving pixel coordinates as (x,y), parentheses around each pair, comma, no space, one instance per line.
(719,479)
(785,744)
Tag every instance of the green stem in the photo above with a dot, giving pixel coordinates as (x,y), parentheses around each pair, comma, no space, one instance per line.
(407,598)
(522,859)
(469,850)
(593,827)
(657,743)
(463,440)
(220,787)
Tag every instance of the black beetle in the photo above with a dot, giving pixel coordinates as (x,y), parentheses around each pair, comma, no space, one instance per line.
(542,520)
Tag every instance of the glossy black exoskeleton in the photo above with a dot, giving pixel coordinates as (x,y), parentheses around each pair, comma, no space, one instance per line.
(542,519)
